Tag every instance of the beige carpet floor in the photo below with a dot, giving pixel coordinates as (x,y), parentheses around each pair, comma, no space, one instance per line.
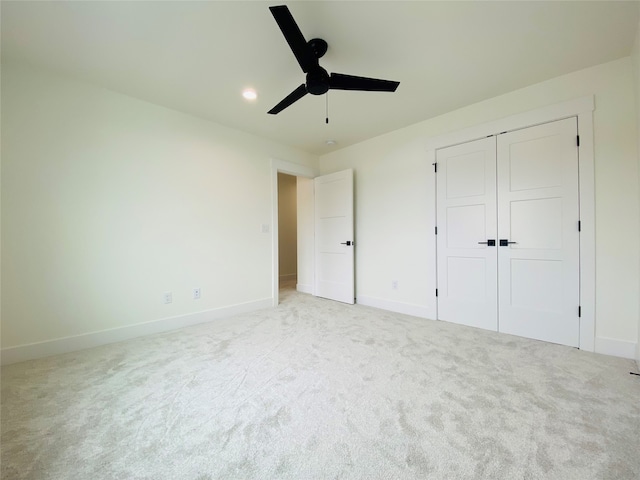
(315,389)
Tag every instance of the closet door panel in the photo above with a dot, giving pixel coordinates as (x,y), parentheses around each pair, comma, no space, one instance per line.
(466,215)
(538,271)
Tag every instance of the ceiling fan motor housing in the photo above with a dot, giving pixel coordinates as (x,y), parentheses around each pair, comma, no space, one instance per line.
(318,47)
(317,81)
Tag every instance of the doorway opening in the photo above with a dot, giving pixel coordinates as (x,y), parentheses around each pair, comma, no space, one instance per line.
(324,231)
(287,232)
(296,271)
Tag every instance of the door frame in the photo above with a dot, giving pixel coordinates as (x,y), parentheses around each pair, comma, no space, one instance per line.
(581,108)
(281,166)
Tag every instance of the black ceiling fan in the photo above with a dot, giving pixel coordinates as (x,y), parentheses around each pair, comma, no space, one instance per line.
(318,81)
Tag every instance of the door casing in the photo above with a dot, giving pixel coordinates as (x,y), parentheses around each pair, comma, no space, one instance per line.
(582,108)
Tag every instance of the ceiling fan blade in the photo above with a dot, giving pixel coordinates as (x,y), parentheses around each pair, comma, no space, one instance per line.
(339,81)
(293,97)
(294,37)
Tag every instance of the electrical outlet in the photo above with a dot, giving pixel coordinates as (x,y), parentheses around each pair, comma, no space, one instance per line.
(168,297)
(196,294)
(394,284)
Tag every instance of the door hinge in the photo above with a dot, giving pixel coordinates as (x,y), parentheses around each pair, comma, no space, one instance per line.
(579,226)
(578,140)
(435,167)
(436,230)
(436,292)
(579,311)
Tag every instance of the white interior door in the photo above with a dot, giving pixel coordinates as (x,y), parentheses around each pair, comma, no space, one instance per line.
(538,213)
(334,247)
(466,218)
(521,189)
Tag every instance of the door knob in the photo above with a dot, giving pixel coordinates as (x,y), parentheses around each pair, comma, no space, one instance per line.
(489,243)
(505,243)
(347,243)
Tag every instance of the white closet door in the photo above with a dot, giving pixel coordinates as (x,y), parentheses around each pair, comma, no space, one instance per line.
(334,236)
(538,274)
(466,216)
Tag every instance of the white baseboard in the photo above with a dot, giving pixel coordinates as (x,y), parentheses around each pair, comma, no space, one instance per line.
(57,346)
(392,306)
(304,288)
(288,276)
(617,348)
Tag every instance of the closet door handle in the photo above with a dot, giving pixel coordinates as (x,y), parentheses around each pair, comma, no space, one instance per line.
(505,243)
(347,243)
(488,243)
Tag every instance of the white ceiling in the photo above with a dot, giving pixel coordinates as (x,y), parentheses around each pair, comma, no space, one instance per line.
(197,57)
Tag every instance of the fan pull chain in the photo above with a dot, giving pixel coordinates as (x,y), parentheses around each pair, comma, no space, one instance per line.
(327,104)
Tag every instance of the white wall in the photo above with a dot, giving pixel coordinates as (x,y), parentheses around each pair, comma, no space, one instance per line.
(635,55)
(392,195)
(305,235)
(109,201)
(287,226)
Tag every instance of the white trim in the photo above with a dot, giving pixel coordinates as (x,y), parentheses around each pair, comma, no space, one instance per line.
(304,288)
(95,339)
(586,184)
(392,306)
(583,109)
(541,115)
(288,276)
(289,168)
(432,273)
(617,348)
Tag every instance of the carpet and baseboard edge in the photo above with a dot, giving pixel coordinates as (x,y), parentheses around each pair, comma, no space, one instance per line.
(57,346)
(398,307)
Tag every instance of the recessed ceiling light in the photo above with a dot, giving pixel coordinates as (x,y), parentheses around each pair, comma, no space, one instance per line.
(249,94)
